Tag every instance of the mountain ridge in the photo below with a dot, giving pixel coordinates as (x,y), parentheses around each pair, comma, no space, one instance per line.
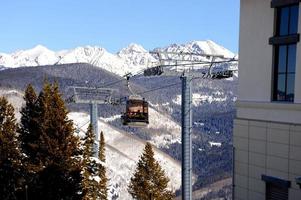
(132,58)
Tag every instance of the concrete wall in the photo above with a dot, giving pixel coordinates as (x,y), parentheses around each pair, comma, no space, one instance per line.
(255,53)
(267,148)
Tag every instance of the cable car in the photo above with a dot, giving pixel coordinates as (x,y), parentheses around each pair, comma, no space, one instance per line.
(136,114)
(223,74)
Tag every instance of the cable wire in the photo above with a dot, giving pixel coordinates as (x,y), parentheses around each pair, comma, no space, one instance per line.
(123,78)
(140,72)
(160,88)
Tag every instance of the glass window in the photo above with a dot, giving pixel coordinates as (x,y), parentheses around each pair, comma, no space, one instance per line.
(284,18)
(285,54)
(284,81)
(291,61)
(281,87)
(290,87)
(287,22)
(282,59)
(276,192)
(294,15)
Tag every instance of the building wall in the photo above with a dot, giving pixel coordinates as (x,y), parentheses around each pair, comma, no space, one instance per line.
(265,148)
(255,53)
(256,65)
(267,135)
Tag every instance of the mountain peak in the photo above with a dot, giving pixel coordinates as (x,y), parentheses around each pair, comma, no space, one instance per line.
(132,48)
(209,47)
(38,49)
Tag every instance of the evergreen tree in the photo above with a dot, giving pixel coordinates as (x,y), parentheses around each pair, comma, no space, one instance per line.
(101,151)
(103,190)
(10,155)
(28,129)
(89,184)
(149,180)
(52,148)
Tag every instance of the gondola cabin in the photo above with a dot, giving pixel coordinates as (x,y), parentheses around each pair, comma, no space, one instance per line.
(136,114)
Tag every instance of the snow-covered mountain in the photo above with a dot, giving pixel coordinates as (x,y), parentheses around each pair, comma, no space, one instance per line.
(200,47)
(130,59)
(38,55)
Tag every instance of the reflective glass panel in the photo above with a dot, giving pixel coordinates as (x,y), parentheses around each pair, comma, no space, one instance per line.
(281,87)
(283,21)
(290,87)
(282,58)
(291,62)
(294,15)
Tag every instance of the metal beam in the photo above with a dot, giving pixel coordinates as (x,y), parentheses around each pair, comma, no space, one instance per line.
(94,123)
(186,138)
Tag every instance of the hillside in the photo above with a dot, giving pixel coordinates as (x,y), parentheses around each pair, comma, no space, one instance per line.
(122,150)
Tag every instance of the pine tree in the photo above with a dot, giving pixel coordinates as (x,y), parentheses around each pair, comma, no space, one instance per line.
(52,148)
(10,155)
(149,180)
(28,128)
(103,190)
(89,185)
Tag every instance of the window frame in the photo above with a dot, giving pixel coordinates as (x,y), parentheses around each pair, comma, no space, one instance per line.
(281,3)
(278,41)
(271,181)
(286,73)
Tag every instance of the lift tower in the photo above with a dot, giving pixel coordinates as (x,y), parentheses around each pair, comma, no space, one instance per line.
(93,97)
(188,66)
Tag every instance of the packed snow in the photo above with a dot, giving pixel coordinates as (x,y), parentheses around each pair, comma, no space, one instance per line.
(15,97)
(215,144)
(198,99)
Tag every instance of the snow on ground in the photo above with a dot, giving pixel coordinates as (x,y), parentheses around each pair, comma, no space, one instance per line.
(122,152)
(198,99)
(14,97)
(110,119)
(169,131)
(215,144)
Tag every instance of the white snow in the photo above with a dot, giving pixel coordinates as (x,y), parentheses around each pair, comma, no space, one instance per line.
(200,47)
(36,56)
(110,119)
(215,144)
(14,97)
(198,99)
(168,130)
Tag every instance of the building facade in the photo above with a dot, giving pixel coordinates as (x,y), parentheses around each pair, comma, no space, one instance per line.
(267,129)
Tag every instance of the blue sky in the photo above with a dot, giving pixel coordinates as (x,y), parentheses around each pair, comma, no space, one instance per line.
(113,24)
